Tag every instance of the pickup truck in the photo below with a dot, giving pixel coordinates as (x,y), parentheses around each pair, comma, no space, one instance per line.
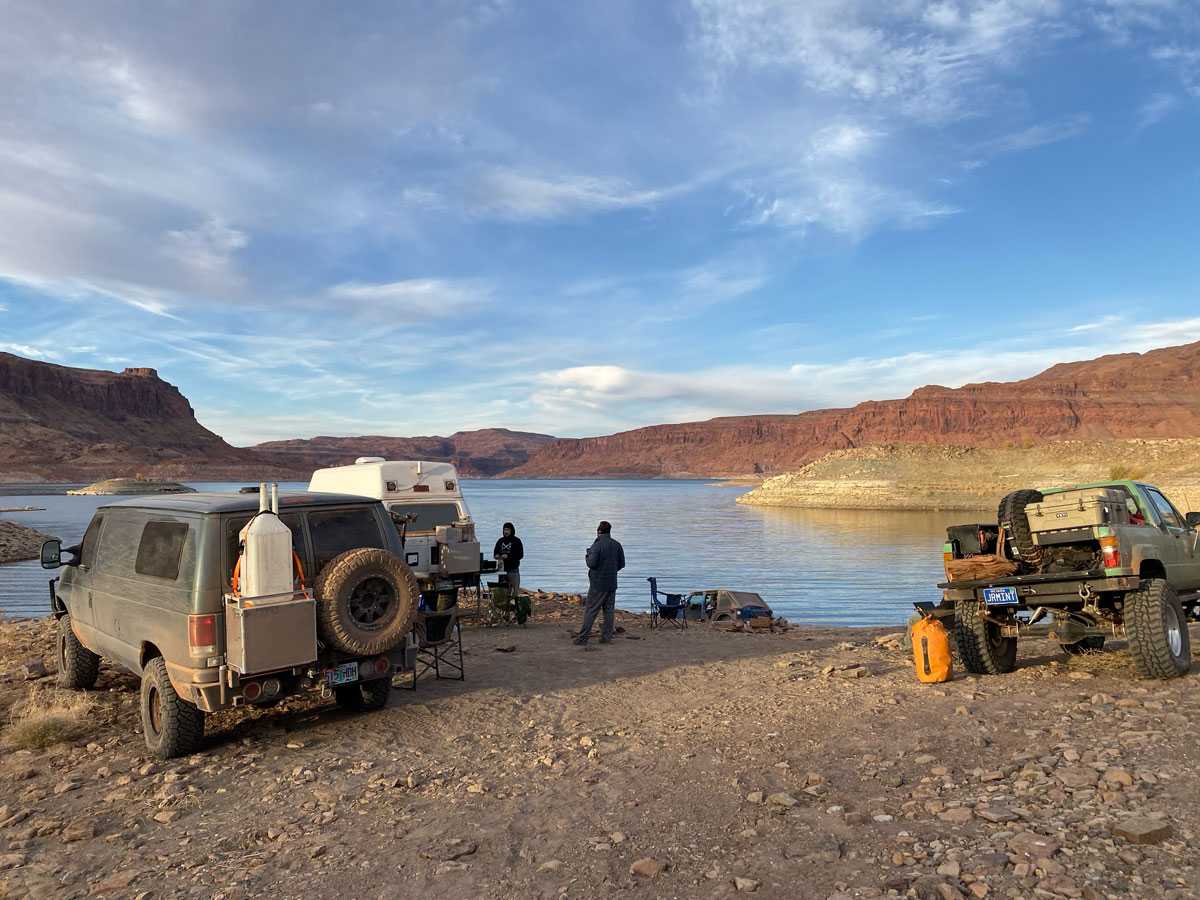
(1087,562)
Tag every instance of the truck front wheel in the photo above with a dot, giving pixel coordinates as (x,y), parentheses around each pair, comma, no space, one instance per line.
(984,650)
(77,665)
(1158,634)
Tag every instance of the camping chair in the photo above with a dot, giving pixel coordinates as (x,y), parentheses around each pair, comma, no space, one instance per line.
(671,608)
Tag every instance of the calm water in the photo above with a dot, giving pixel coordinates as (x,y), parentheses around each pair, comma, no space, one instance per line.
(820,566)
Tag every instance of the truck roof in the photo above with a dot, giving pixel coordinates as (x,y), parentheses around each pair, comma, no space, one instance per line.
(215,502)
(1126,483)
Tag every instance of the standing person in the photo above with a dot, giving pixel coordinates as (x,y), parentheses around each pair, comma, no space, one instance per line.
(509,552)
(604,559)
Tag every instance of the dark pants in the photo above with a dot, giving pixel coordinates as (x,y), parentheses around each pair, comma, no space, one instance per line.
(598,600)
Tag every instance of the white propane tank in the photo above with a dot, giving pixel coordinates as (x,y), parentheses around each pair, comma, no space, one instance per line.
(267,557)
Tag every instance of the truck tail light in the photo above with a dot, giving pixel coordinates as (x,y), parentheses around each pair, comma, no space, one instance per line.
(1110,549)
(252,690)
(202,634)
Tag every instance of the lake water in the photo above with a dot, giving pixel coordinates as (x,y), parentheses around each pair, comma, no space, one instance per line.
(844,567)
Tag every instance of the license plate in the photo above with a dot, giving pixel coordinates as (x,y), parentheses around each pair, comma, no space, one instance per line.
(346,673)
(1001,596)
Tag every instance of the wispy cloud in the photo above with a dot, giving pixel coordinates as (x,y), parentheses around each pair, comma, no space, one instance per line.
(523,196)
(1039,135)
(431,297)
(1155,109)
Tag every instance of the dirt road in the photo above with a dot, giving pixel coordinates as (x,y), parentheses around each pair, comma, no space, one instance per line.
(676,764)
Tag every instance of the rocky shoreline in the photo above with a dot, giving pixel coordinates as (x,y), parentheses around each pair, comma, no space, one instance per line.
(18,542)
(919,477)
(670,763)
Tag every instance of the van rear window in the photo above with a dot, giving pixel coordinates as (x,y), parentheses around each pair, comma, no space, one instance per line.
(160,549)
(337,531)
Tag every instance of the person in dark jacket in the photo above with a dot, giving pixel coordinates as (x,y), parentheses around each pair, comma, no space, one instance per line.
(605,558)
(509,552)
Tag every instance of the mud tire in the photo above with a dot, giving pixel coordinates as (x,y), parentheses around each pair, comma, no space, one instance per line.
(78,666)
(1093,644)
(366,601)
(980,646)
(1011,516)
(172,726)
(364,696)
(1158,632)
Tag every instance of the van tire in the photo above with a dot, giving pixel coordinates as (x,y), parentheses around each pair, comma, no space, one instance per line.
(366,601)
(1158,631)
(1011,516)
(364,696)
(78,666)
(980,645)
(172,726)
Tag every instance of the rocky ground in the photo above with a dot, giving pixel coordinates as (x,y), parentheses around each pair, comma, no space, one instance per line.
(695,763)
(18,542)
(912,476)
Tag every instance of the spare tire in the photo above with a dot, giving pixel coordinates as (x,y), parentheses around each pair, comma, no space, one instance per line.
(1011,516)
(366,600)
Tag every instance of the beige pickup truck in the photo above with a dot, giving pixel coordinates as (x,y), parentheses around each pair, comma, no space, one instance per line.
(1087,562)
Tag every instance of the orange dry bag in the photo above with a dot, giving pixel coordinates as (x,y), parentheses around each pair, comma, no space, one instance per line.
(931,651)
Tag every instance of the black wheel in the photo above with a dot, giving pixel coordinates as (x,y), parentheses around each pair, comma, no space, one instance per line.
(77,665)
(984,650)
(172,726)
(366,601)
(364,696)
(1011,516)
(1158,633)
(1093,644)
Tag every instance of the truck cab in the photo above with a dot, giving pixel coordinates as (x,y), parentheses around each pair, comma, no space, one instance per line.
(425,500)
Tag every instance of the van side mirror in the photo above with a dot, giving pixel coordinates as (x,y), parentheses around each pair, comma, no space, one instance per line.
(52,554)
(1192,519)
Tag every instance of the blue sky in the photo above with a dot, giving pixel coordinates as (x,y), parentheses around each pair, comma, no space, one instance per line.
(416,218)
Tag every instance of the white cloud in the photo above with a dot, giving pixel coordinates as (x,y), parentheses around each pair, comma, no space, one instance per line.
(29,351)
(520,196)
(924,59)
(1155,109)
(1039,135)
(208,248)
(1098,325)
(428,297)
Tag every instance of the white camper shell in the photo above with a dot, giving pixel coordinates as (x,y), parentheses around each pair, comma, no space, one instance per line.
(440,545)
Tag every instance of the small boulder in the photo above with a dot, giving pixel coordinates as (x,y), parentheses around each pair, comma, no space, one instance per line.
(646,867)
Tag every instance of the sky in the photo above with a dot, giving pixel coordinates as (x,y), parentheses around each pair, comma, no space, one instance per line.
(420,218)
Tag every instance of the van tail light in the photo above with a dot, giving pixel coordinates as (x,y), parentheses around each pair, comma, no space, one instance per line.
(1110,549)
(202,634)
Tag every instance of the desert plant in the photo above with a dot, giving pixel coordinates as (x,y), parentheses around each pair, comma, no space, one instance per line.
(1126,472)
(47,717)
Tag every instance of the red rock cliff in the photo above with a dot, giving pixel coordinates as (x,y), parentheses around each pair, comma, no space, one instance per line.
(1155,394)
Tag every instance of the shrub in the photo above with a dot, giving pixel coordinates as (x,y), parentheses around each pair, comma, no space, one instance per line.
(1126,472)
(47,717)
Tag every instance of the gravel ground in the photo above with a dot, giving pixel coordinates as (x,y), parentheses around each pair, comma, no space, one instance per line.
(701,763)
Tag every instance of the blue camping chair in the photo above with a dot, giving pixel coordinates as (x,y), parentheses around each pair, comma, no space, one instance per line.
(670,608)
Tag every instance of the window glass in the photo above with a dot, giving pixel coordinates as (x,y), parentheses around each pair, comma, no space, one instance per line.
(233,528)
(340,530)
(120,540)
(428,515)
(91,537)
(1165,510)
(160,549)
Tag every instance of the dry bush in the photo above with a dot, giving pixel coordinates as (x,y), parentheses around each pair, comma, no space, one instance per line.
(1126,472)
(47,717)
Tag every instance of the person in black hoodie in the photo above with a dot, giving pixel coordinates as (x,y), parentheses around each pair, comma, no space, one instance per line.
(509,552)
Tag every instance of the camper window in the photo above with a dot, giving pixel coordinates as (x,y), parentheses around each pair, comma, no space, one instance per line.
(428,515)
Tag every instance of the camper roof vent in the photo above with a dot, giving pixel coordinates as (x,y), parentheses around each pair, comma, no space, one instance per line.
(364,460)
